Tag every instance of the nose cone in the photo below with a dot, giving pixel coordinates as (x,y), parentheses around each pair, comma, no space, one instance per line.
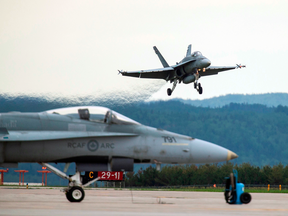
(205,62)
(206,152)
(231,155)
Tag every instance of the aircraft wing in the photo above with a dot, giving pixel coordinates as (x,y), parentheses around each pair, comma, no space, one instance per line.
(160,73)
(55,135)
(213,70)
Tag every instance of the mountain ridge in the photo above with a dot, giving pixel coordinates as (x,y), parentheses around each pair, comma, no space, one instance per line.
(268,99)
(45,102)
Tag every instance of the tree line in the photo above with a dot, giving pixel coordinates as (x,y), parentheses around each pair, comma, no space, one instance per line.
(175,175)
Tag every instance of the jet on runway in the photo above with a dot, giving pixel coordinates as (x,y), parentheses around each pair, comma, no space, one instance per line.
(96,139)
(188,70)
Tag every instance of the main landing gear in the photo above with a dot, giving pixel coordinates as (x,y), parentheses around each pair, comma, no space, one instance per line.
(198,87)
(169,91)
(74,192)
(191,78)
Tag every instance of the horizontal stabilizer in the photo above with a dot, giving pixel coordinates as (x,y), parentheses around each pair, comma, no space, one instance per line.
(55,135)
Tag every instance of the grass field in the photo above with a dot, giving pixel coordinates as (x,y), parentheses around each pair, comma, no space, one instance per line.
(256,190)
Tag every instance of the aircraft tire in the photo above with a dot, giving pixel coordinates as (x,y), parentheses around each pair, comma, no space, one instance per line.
(169,91)
(75,194)
(245,198)
(200,89)
(68,196)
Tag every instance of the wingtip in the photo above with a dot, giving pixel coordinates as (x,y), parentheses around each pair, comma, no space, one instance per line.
(240,66)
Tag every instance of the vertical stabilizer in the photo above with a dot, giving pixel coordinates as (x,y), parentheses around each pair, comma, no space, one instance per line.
(188,51)
(163,61)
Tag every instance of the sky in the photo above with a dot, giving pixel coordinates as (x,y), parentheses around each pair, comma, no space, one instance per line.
(74,48)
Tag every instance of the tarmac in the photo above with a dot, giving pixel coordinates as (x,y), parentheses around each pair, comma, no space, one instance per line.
(125,202)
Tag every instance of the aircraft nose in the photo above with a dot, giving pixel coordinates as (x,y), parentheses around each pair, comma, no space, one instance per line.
(231,155)
(206,152)
(206,63)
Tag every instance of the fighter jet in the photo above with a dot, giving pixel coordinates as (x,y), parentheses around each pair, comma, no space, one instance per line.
(188,70)
(96,139)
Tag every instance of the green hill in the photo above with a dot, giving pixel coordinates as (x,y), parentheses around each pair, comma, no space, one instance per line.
(270,100)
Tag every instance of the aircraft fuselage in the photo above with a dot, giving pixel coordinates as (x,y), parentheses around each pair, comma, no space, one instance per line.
(144,144)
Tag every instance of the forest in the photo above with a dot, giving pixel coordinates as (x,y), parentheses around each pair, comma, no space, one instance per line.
(208,174)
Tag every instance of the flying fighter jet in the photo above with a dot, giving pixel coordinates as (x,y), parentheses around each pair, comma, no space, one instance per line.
(96,139)
(188,70)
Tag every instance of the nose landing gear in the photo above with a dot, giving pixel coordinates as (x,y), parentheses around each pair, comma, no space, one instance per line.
(74,192)
(169,91)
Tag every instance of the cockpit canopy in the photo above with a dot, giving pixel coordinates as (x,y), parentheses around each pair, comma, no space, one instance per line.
(196,53)
(94,114)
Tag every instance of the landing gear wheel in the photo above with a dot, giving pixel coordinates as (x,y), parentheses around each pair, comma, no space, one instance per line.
(75,194)
(245,198)
(200,90)
(69,196)
(195,85)
(199,85)
(169,91)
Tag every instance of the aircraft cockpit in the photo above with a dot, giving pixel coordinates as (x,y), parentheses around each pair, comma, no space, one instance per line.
(196,53)
(94,114)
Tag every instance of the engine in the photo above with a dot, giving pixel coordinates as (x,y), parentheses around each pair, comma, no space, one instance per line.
(180,72)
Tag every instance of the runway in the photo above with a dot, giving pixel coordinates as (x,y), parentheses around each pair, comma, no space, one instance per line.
(123,202)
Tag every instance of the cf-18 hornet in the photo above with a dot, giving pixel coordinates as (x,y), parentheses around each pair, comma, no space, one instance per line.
(96,139)
(188,70)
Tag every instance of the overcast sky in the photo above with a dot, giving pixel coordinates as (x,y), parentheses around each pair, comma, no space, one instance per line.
(74,48)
